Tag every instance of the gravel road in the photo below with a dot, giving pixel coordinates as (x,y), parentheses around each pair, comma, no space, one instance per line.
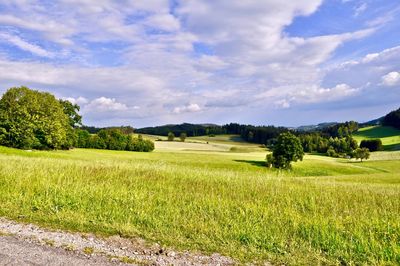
(27,244)
(19,251)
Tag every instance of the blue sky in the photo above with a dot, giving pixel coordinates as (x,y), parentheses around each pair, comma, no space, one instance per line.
(153,62)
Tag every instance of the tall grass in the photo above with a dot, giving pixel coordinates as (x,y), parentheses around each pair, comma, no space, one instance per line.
(324,211)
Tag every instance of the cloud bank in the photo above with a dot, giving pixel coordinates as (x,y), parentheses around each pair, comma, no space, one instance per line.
(159,61)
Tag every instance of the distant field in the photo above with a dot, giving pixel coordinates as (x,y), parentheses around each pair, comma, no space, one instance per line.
(222,143)
(325,211)
(390,136)
(226,139)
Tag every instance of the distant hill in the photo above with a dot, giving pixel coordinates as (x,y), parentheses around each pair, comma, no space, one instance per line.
(374,122)
(392,119)
(318,127)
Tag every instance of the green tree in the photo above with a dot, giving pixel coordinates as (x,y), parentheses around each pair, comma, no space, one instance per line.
(32,119)
(171,136)
(286,150)
(361,153)
(183,136)
(71,110)
(82,138)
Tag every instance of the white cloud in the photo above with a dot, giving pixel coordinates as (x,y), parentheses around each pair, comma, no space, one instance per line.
(214,55)
(165,22)
(315,94)
(391,79)
(105,104)
(282,104)
(358,10)
(79,101)
(26,46)
(211,62)
(190,108)
(50,29)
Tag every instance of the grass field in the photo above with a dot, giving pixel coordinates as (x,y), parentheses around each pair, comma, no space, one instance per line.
(390,136)
(326,210)
(221,143)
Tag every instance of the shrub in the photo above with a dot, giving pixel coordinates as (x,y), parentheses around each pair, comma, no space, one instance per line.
(331,152)
(139,144)
(171,136)
(372,144)
(270,160)
(183,137)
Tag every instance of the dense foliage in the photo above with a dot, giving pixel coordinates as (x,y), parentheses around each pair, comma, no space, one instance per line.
(372,144)
(334,140)
(95,130)
(286,150)
(341,130)
(256,134)
(30,119)
(190,129)
(332,146)
(112,139)
(361,153)
(392,119)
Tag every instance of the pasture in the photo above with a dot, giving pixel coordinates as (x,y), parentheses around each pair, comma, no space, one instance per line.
(212,198)
(390,136)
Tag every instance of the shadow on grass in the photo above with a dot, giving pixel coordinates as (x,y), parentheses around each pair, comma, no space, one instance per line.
(236,138)
(255,163)
(379,132)
(392,147)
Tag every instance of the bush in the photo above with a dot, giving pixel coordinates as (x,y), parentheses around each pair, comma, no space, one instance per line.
(183,137)
(139,144)
(331,152)
(171,136)
(372,144)
(270,160)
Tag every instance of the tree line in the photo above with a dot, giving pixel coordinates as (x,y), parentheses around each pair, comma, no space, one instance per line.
(392,119)
(191,130)
(112,139)
(30,119)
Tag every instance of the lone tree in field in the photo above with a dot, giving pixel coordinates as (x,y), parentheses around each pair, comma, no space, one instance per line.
(286,150)
(30,119)
(171,136)
(361,153)
(183,136)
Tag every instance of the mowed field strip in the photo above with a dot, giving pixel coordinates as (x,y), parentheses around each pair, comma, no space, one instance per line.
(216,199)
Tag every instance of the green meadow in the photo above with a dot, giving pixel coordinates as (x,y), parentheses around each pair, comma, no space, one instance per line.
(214,197)
(390,136)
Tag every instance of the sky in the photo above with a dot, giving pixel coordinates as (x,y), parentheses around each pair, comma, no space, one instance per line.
(153,62)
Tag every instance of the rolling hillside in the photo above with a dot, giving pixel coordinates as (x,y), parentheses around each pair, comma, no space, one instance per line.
(390,136)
